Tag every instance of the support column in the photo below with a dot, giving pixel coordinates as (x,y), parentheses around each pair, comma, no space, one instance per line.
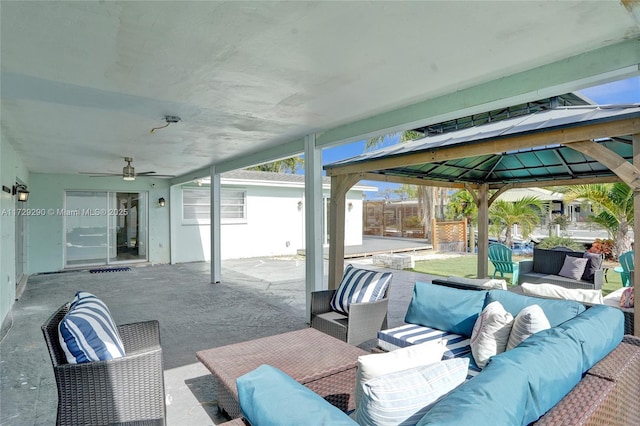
(483,230)
(636,234)
(340,185)
(216,255)
(313,213)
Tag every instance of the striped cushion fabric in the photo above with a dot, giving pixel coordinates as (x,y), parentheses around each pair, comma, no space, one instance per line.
(87,332)
(412,334)
(359,286)
(404,397)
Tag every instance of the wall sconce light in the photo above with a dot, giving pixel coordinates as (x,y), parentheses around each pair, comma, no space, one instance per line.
(161,202)
(299,205)
(350,206)
(21,191)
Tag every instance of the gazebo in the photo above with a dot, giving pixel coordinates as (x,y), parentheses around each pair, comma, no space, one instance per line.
(563,146)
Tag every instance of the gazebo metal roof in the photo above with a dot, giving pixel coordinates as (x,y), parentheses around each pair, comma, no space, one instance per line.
(533,165)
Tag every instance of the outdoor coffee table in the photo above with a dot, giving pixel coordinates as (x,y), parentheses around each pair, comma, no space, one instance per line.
(322,363)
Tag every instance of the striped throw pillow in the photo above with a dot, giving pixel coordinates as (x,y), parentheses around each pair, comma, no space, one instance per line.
(404,397)
(359,286)
(87,332)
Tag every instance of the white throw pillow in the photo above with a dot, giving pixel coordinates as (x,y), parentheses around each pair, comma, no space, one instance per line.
(553,291)
(490,333)
(404,397)
(529,321)
(376,365)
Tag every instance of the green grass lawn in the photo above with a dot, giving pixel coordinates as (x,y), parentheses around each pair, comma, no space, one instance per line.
(466,266)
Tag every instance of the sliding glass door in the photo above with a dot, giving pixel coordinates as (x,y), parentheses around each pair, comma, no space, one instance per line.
(103,228)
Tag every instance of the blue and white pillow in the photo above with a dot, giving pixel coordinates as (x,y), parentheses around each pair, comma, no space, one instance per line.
(404,397)
(87,332)
(359,286)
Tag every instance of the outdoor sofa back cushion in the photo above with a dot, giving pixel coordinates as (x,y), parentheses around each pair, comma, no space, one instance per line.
(556,311)
(516,387)
(269,397)
(598,330)
(88,333)
(445,308)
(595,263)
(359,286)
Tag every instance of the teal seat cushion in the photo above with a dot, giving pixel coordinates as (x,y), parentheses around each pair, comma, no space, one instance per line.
(488,399)
(556,311)
(445,308)
(598,330)
(269,397)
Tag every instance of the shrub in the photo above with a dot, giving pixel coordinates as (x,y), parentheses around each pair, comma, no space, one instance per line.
(551,242)
(603,246)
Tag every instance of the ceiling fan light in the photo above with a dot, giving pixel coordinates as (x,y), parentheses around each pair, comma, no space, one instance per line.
(128,173)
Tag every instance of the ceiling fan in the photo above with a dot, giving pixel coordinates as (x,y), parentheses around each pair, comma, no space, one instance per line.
(128,172)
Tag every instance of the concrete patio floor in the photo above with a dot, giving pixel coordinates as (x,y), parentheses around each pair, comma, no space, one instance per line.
(257,298)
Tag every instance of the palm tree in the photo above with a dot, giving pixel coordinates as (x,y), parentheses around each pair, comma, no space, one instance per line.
(614,210)
(426,194)
(460,205)
(288,165)
(504,214)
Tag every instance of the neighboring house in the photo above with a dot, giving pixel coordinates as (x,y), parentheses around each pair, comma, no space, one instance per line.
(262,215)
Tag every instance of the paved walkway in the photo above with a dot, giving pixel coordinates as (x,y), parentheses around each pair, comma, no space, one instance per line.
(257,298)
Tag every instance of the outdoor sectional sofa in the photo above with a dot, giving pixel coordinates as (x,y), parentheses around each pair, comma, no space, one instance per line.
(580,370)
(547,264)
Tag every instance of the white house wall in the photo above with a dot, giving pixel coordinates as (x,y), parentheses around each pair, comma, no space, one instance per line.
(11,169)
(274,226)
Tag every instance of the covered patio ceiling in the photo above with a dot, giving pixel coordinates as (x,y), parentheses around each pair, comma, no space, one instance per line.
(564,146)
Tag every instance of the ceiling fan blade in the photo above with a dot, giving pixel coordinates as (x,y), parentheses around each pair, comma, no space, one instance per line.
(153,174)
(94,174)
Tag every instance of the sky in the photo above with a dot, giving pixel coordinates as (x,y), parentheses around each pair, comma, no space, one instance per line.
(617,92)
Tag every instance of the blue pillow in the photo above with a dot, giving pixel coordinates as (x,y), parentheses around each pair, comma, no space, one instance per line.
(359,286)
(445,308)
(556,311)
(269,397)
(598,331)
(87,332)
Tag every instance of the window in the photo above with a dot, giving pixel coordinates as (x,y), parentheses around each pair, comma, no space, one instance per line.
(196,205)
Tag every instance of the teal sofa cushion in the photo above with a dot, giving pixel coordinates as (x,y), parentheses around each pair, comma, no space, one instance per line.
(556,311)
(598,330)
(269,397)
(445,308)
(489,399)
(516,387)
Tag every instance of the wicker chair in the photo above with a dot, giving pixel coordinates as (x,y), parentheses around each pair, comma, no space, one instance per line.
(362,324)
(125,390)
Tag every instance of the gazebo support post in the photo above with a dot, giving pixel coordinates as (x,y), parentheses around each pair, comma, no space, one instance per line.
(636,233)
(483,230)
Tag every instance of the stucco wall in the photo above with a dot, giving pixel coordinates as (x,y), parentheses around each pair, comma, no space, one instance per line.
(11,169)
(274,226)
(45,236)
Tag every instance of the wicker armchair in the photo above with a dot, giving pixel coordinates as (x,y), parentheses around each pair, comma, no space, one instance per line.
(362,324)
(126,390)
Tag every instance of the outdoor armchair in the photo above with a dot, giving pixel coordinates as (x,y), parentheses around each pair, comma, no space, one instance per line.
(501,258)
(361,324)
(626,266)
(123,390)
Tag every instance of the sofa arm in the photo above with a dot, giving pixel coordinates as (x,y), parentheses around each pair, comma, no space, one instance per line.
(269,397)
(526,266)
(321,301)
(598,279)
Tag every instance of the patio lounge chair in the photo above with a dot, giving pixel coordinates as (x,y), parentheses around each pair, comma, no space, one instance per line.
(123,390)
(501,257)
(626,266)
(362,322)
